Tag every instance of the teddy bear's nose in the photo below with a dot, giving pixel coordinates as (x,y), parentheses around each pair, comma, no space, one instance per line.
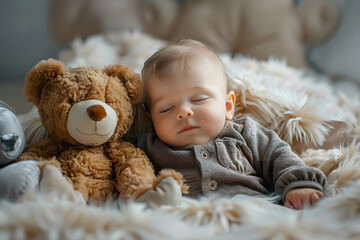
(96,112)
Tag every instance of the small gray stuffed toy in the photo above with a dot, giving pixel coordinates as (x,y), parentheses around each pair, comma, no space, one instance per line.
(11,135)
(16,178)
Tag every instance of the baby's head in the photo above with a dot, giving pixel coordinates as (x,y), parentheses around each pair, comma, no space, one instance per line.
(185,92)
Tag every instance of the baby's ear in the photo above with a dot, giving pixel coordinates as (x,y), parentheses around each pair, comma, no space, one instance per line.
(37,77)
(230,105)
(129,79)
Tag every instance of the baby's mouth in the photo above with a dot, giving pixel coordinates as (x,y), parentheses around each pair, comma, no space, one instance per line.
(188,128)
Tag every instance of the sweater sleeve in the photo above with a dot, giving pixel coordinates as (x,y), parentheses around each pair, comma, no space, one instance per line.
(276,163)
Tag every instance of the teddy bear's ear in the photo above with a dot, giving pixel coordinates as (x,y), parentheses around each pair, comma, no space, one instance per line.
(35,79)
(129,79)
(38,76)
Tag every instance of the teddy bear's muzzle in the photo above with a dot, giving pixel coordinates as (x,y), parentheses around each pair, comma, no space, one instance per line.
(96,112)
(91,122)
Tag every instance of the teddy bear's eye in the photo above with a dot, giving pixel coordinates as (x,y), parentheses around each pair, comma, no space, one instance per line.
(71,101)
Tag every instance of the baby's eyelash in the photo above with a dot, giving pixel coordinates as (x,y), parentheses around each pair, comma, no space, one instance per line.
(166,110)
(200,99)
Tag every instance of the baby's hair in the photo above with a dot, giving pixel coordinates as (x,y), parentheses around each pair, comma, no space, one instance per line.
(178,52)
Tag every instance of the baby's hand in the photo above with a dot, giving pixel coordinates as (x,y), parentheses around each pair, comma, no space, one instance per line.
(298,198)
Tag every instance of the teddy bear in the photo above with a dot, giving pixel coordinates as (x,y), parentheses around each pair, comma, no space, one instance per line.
(86,111)
(255,28)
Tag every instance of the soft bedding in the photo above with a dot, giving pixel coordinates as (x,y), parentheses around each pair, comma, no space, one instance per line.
(302,107)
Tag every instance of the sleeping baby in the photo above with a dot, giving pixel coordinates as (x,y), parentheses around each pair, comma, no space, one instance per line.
(185,94)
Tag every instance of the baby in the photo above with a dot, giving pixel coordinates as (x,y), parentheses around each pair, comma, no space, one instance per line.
(185,94)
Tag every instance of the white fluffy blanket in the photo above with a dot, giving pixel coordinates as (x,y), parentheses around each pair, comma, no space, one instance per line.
(294,103)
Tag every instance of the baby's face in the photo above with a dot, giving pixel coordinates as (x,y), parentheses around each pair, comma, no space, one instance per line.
(193,109)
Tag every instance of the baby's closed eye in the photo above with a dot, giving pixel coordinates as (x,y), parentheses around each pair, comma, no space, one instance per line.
(166,109)
(199,98)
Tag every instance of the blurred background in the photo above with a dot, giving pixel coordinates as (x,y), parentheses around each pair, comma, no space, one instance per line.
(35,30)
(24,41)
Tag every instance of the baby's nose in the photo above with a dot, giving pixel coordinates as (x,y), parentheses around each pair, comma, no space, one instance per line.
(184,112)
(96,112)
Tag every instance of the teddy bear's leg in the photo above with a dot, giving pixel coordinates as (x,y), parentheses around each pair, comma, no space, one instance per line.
(53,181)
(168,189)
(172,173)
(19,178)
(167,192)
(105,189)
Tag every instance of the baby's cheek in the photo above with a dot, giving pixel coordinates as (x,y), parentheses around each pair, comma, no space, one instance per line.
(163,129)
(215,124)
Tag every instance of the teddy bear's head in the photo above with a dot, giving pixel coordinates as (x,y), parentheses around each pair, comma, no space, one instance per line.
(83,105)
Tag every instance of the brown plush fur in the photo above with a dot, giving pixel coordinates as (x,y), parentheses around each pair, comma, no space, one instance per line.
(111,170)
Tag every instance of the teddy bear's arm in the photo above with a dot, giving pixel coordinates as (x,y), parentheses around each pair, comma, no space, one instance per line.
(43,149)
(133,170)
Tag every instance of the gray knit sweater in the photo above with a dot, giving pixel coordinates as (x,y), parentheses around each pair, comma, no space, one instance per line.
(245,158)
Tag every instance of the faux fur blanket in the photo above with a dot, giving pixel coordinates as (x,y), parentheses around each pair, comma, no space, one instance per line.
(300,106)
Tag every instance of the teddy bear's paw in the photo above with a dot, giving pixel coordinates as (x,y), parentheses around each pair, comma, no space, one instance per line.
(53,181)
(19,178)
(176,175)
(167,192)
